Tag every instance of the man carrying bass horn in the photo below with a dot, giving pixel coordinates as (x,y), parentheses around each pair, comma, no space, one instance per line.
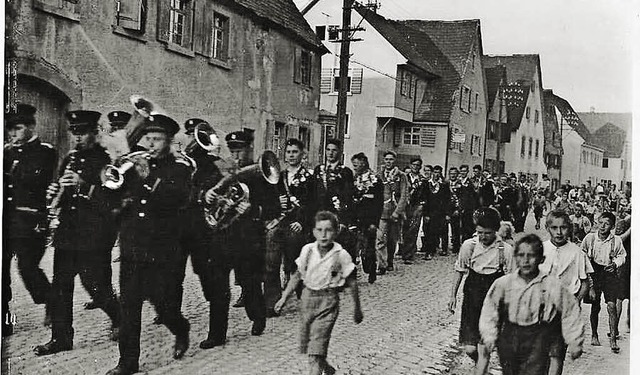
(240,244)
(86,233)
(155,187)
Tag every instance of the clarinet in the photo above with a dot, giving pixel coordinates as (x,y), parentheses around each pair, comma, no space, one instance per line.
(54,206)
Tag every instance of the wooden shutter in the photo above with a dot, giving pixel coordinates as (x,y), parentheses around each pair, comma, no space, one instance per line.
(428,136)
(397,134)
(187,33)
(163,20)
(356,81)
(325,80)
(297,78)
(130,14)
(199,28)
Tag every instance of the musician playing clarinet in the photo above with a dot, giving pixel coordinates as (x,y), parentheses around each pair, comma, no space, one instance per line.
(154,192)
(85,236)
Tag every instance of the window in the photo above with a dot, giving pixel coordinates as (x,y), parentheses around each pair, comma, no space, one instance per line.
(279,137)
(347,124)
(305,136)
(330,81)
(537,116)
(465,98)
(406,81)
(302,67)
(220,37)
(68,9)
(475,145)
(530,147)
(130,15)
(537,154)
(336,80)
(475,105)
(528,112)
(492,133)
(321,32)
(178,21)
(473,60)
(523,146)
(411,135)
(458,138)
(334,32)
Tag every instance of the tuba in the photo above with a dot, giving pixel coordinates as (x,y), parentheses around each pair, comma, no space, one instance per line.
(206,138)
(142,109)
(230,192)
(113,177)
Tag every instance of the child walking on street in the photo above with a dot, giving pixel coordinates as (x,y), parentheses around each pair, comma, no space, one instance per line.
(524,312)
(607,255)
(324,267)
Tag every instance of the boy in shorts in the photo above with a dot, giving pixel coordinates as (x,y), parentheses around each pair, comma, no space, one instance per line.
(524,312)
(324,267)
(607,255)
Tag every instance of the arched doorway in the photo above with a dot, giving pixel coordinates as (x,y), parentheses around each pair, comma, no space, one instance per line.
(52,104)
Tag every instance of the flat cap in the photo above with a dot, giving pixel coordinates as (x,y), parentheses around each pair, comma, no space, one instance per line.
(163,124)
(238,139)
(118,119)
(191,123)
(23,114)
(83,121)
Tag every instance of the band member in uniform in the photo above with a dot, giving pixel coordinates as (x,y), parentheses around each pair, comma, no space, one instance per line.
(456,187)
(393,212)
(468,203)
(241,245)
(437,198)
(367,209)
(417,183)
(506,198)
(294,188)
(483,187)
(29,165)
(522,205)
(85,236)
(333,192)
(195,238)
(155,191)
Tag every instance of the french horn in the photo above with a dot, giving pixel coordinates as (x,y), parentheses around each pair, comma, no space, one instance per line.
(206,138)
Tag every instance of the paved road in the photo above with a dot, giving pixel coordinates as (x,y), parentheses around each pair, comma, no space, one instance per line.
(406,330)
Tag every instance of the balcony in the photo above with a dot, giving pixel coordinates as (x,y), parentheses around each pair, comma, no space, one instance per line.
(394,112)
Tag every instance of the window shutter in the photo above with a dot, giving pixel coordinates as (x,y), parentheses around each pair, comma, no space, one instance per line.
(397,134)
(297,78)
(163,20)
(188,27)
(356,81)
(427,136)
(200,30)
(325,80)
(293,131)
(130,14)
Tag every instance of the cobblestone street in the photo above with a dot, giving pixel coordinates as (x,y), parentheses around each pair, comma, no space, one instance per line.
(406,330)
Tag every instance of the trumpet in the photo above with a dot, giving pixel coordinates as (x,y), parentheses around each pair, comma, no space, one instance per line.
(206,138)
(113,177)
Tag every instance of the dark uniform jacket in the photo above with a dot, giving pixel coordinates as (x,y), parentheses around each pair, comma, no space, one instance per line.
(150,225)
(368,200)
(331,184)
(437,198)
(299,195)
(484,191)
(469,201)
(506,200)
(456,191)
(205,176)
(28,170)
(86,219)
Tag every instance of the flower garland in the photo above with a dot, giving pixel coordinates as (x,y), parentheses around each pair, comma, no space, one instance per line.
(391,177)
(365,180)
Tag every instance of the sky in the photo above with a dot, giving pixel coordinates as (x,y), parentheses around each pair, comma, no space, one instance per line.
(586,46)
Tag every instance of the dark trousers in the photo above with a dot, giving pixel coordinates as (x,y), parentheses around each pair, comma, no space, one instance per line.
(525,350)
(195,242)
(7,318)
(90,266)
(147,281)
(467,228)
(273,261)
(435,231)
(29,253)
(519,218)
(410,228)
(455,232)
(367,238)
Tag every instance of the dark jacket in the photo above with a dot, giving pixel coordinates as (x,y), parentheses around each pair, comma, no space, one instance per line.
(437,198)
(28,171)
(469,200)
(150,226)
(86,219)
(368,200)
(299,191)
(330,184)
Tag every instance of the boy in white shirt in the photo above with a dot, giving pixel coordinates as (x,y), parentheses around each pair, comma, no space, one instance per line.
(607,255)
(324,267)
(566,261)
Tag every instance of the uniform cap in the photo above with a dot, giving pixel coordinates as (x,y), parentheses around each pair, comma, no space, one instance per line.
(238,139)
(23,114)
(118,119)
(191,123)
(83,121)
(163,124)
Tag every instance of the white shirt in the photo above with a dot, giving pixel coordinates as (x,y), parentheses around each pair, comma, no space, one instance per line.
(567,262)
(484,259)
(291,173)
(323,272)
(604,252)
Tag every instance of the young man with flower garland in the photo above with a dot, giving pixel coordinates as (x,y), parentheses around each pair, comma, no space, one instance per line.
(468,203)
(456,187)
(367,209)
(333,191)
(393,212)
(437,198)
(294,189)
(417,183)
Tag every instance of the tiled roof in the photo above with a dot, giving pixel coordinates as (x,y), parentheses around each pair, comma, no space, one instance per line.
(569,116)
(516,95)
(493,77)
(285,14)
(519,67)
(611,138)
(550,125)
(594,120)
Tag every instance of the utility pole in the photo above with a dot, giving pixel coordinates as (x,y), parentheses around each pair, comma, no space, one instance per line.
(344,67)
(499,130)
